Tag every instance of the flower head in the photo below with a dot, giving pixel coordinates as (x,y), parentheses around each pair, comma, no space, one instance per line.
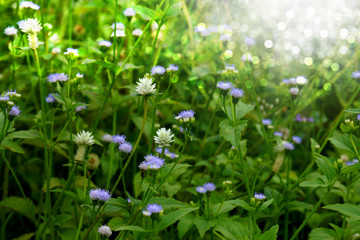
(294,91)
(107,138)
(288,145)
(129,12)
(30,26)
(29,4)
(56,50)
(57,77)
(152,162)
(279,134)
(119,26)
(185,115)
(105,43)
(119,33)
(164,137)
(296,139)
(119,139)
(259,196)
(72,52)
(125,147)
(246,57)
(145,86)
(152,209)
(137,32)
(224,85)
(79,75)
(172,68)
(80,108)
(84,138)
(358,117)
(200,189)
(266,121)
(99,194)
(209,187)
(157,70)
(15,111)
(105,230)
(10,31)
(50,98)
(355,75)
(236,93)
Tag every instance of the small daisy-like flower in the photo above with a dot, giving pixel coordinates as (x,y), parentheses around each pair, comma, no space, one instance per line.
(209,187)
(12,94)
(84,138)
(185,115)
(157,70)
(246,57)
(294,91)
(107,138)
(288,145)
(164,137)
(354,161)
(292,81)
(29,4)
(119,33)
(56,50)
(200,189)
(125,147)
(296,139)
(224,85)
(105,230)
(30,26)
(105,43)
(266,121)
(10,31)
(301,80)
(145,86)
(137,32)
(15,111)
(152,209)
(50,98)
(72,51)
(119,26)
(80,108)
(4,98)
(79,75)
(129,12)
(172,68)
(259,196)
(236,92)
(249,41)
(146,213)
(99,194)
(119,139)
(355,75)
(55,77)
(152,162)
(279,134)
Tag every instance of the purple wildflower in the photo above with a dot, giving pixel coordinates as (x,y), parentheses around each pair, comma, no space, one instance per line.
(237,92)
(224,85)
(125,147)
(172,67)
(157,70)
(296,139)
(200,189)
(15,111)
(99,194)
(209,187)
(355,75)
(119,139)
(185,115)
(266,121)
(259,196)
(57,77)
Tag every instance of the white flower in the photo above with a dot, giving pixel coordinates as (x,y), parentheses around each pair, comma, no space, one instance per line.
(129,12)
(294,91)
(10,31)
(30,26)
(29,4)
(145,86)
(137,32)
(72,51)
(119,26)
(164,137)
(105,43)
(55,50)
(119,33)
(84,138)
(105,230)
(79,75)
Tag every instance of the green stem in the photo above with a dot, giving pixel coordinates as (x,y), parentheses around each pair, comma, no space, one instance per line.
(70,22)
(313,210)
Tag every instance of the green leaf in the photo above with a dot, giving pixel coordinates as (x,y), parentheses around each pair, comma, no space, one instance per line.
(343,142)
(20,205)
(26,236)
(12,146)
(242,204)
(138,122)
(204,225)
(265,205)
(175,216)
(347,209)
(325,166)
(241,110)
(321,181)
(231,229)
(172,189)
(24,134)
(356,111)
(230,133)
(271,234)
(144,12)
(174,10)
(185,225)
(350,169)
(322,234)
(314,145)
(167,203)
(128,66)
(226,207)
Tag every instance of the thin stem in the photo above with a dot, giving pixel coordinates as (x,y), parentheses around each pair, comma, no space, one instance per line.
(313,211)
(70,22)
